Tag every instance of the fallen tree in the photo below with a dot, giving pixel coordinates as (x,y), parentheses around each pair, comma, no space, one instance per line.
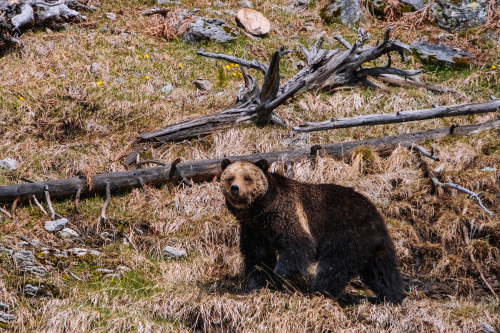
(207,170)
(402,116)
(16,16)
(326,69)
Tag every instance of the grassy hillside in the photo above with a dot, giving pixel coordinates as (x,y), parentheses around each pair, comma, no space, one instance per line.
(62,116)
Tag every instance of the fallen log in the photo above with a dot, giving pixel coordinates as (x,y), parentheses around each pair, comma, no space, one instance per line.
(324,70)
(402,116)
(207,170)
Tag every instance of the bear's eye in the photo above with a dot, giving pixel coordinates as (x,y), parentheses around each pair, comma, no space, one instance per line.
(247,179)
(230,179)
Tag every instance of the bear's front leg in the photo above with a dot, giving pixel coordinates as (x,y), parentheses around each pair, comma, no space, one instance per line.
(296,254)
(259,258)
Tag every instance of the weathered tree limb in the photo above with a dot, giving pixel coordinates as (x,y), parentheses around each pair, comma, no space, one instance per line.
(424,152)
(207,170)
(252,105)
(17,15)
(402,116)
(324,70)
(412,82)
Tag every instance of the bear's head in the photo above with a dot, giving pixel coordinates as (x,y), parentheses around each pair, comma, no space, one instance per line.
(243,182)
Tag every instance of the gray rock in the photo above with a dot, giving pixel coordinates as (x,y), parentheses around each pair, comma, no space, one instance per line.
(68,233)
(122,269)
(95,67)
(489,169)
(56,225)
(245,4)
(4,307)
(24,258)
(83,252)
(5,317)
(347,12)
(204,29)
(487,328)
(173,252)
(169,2)
(23,244)
(35,243)
(37,270)
(415,4)
(167,89)
(104,271)
(4,250)
(439,54)
(203,84)
(218,4)
(230,12)
(456,15)
(30,290)
(111,16)
(8,164)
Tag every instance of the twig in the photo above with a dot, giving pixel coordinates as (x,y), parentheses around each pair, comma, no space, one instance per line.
(342,41)
(49,203)
(14,206)
(39,206)
(437,183)
(5,212)
(424,152)
(471,256)
(130,241)
(77,200)
(74,276)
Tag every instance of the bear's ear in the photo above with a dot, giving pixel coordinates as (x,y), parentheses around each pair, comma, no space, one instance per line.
(224,164)
(263,165)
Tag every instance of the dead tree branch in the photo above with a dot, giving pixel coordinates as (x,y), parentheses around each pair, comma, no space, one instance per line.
(326,69)
(207,170)
(437,183)
(424,152)
(402,116)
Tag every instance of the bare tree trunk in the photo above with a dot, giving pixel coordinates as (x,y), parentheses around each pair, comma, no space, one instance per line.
(207,170)
(402,116)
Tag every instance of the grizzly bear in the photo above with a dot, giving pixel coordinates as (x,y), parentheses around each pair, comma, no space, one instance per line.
(287,225)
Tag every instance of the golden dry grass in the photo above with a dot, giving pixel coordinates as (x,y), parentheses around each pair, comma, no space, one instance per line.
(68,125)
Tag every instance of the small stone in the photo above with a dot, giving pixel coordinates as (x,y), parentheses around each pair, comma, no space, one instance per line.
(68,233)
(37,270)
(253,22)
(169,2)
(173,252)
(113,276)
(488,169)
(347,12)
(487,328)
(4,250)
(23,244)
(5,317)
(415,4)
(8,164)
(24,258)
(167,89)
(301,64)
(122,269)
(230,12)
(203,84)
(4,307)
(457,15)
(36,243)
(111,16)
(218,4)
(56,225)
(82,252)
(95,67)
(204,29)
(104,271)
(30,290)
(245,4)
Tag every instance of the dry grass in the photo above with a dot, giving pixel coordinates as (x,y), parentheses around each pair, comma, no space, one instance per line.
(68,125)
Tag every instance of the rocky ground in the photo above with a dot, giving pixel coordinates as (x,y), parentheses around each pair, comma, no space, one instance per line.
(77,91)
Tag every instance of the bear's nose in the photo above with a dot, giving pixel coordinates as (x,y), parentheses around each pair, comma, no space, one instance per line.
(235,189)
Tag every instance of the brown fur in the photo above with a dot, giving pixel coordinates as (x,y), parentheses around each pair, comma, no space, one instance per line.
(303,223)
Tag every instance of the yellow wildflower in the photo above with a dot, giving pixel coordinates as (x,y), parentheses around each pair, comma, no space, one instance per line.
(180,66)
(228,67)
(140,56)
(366,64)
(232,65)
(493,67)
(236,65)
(99,83)
(21,98)
(239,74)
(147,77)
(146,56)
(50,70)
(234,74)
